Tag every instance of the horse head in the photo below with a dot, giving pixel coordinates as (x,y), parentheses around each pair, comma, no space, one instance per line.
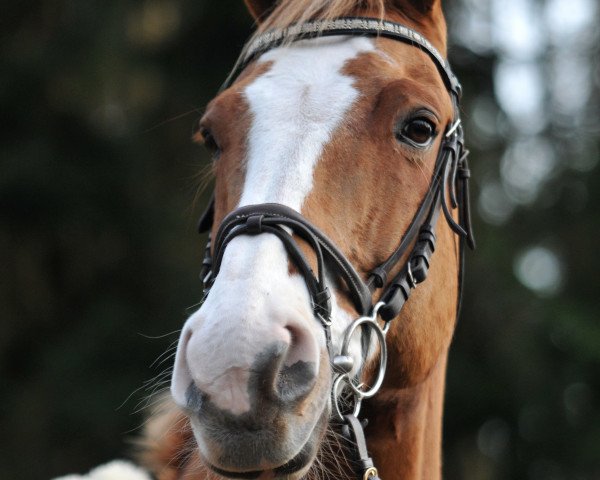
(329,151)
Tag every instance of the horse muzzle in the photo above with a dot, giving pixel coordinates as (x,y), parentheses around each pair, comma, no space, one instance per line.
(252,372)
(277,435)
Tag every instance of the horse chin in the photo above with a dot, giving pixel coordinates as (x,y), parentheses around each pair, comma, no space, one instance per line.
(270,460)
(295,469)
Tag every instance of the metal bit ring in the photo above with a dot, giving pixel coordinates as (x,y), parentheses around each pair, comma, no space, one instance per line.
(336,398)
(370,322)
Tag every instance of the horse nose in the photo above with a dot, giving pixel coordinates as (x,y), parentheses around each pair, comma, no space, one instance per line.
(272,367)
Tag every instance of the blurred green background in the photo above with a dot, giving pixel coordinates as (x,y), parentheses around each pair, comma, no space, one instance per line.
(99,255)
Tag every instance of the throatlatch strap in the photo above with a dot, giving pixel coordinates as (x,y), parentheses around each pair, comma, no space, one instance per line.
(208,216)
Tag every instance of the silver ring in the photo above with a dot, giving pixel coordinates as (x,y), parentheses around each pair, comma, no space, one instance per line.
(335,399)
(376,308)
(371,322)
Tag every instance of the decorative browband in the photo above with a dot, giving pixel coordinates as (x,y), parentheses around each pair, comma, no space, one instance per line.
(355,26)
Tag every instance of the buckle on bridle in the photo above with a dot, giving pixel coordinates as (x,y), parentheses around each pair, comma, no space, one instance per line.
(370,473)
(325,320)
(453,128)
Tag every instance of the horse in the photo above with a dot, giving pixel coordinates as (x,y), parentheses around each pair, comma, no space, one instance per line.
(341,185)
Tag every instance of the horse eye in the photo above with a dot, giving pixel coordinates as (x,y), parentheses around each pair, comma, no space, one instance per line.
(208,140)
(418,131)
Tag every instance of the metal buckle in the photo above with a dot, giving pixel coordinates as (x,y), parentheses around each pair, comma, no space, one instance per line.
(453,128)
(326,322)
(370,472)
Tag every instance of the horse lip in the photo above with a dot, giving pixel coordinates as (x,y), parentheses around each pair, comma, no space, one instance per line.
(283,471)
(296,464)
(228,474)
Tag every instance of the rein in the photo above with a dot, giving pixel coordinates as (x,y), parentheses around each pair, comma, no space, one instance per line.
(448,190)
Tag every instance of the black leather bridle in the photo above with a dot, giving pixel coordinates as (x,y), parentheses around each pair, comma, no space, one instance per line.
(448,190)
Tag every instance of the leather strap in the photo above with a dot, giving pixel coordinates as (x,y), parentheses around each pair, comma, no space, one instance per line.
(378,276)
(356,435)
(397,292)
(356,26)
(208,216)
(273,218)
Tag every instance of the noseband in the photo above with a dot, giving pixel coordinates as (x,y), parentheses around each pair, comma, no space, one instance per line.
(448,190)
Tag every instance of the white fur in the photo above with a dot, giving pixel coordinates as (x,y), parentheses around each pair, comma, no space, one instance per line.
(115,470)
(296,107)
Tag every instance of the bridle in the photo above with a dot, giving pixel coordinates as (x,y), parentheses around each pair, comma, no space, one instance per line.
(448,190)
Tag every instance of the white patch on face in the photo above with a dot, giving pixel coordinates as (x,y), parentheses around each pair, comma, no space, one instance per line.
(296,106)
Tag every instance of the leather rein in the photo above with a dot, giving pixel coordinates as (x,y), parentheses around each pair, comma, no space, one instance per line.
(448,190)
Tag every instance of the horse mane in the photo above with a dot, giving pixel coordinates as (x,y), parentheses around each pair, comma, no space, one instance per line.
(289,12)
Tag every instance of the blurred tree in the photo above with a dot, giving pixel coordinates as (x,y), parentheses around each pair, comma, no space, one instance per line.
(524,383)
(97,230)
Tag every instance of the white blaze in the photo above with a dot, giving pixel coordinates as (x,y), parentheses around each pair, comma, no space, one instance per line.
(296,106)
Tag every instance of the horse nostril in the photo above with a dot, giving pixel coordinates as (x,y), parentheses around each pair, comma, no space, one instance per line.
(295,382)
(297,375)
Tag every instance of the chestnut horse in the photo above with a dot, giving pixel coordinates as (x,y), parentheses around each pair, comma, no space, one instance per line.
(338,159)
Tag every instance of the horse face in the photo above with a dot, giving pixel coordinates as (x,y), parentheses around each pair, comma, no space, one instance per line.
(329,127)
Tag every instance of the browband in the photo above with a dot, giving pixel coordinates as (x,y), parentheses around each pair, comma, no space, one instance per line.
(356,26)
